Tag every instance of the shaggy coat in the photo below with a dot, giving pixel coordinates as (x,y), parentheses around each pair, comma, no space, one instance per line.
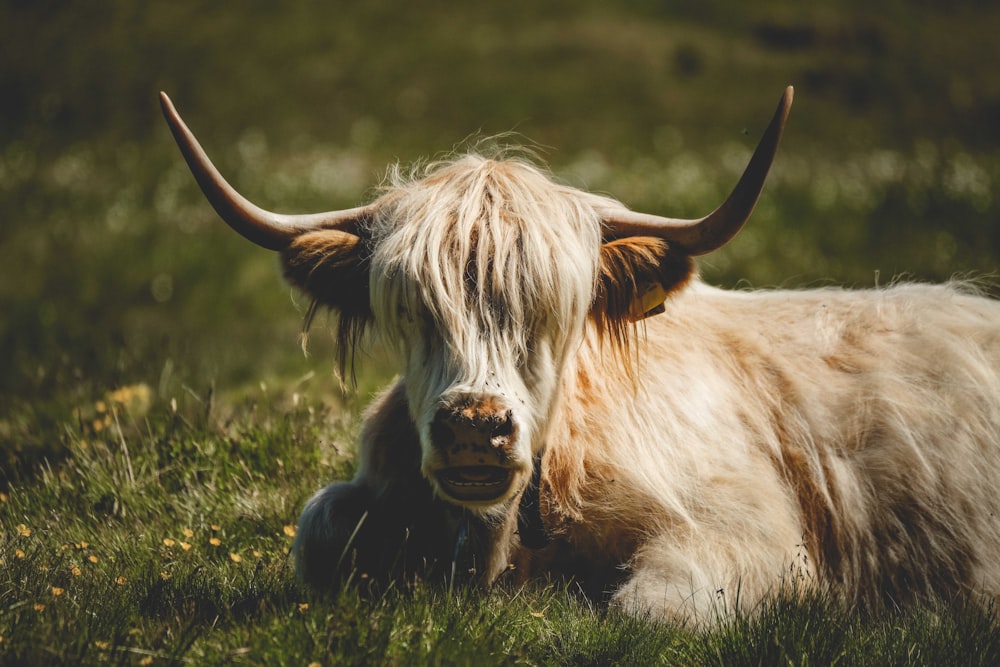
(684,464)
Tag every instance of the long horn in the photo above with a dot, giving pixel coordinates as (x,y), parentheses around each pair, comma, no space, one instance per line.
(274,231)
(704,235)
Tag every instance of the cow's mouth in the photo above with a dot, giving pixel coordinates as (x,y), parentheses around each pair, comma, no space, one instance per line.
(475,483)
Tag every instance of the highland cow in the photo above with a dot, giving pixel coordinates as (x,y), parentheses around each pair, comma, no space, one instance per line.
(574,401)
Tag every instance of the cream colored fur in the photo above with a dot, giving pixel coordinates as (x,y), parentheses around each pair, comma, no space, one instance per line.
(850,440)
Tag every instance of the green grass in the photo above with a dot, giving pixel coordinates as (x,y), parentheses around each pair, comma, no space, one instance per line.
(162,537)
(151,384)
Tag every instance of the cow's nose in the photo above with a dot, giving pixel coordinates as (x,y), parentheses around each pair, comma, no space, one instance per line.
(474,433)
(475,442)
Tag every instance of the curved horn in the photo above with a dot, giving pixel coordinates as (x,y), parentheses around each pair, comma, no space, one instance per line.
(703,235)
(273,231)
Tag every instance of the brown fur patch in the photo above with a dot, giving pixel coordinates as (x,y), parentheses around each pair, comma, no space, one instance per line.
(819,521)
(332,267)
(627,268)
(394,442)
(817,503)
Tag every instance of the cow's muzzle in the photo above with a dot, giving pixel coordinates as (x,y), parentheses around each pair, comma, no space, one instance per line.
(475,483)
(475,444)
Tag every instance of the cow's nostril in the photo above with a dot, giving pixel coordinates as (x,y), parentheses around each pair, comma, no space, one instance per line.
(503,426)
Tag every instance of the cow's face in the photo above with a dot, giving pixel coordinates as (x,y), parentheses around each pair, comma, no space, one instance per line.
(480,277)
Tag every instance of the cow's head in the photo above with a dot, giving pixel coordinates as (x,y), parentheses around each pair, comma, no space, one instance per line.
(481,275)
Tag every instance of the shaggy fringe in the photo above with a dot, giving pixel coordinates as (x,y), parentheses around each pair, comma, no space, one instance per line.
(441,217)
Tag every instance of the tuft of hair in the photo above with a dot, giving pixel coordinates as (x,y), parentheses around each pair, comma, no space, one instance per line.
(332,267)
(628,268)
(490,249)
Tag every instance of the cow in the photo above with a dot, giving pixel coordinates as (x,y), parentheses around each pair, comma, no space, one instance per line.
(575,402)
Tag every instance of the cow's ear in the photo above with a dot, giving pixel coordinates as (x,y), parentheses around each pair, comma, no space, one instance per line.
(635,278)
(332,267)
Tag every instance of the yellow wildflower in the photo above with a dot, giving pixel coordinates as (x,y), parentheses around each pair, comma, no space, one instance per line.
(185,546)
(148,660)
(256,554)
(235,557)
(56,591)
(215,527)
(92,558)
(39,607)
(104,646)
(23,530)
(82,545)
(164,575)
(167,542)
(188,533)
(75,570)
(121,581)
(215,542)
(18,553)
(289,530)
(303,607)
(135,398)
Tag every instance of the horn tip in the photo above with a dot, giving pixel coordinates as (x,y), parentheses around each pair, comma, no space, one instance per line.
(784,106)
(165,104)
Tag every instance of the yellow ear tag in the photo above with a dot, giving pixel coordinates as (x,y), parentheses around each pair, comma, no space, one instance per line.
(649,302)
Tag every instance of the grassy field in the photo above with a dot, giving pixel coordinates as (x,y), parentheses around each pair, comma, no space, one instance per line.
(162,538)
(159,426)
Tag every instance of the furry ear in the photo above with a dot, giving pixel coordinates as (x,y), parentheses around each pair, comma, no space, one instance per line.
(636,275)
(332,267)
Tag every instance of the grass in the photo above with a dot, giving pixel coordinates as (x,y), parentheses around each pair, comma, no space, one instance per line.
(153,399)
(163,537)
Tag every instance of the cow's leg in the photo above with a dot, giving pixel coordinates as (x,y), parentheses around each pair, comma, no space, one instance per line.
(383,523)
(327,539)
(349,529)
(698,580)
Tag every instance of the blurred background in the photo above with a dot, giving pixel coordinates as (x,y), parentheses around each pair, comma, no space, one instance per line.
(114,271)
